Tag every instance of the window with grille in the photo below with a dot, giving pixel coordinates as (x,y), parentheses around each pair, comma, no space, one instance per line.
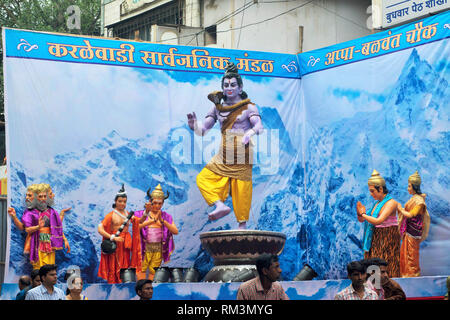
(139,27)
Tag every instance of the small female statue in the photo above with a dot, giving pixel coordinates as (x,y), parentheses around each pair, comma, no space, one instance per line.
(414,223)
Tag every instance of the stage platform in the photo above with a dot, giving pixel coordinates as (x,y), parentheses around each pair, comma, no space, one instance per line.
(432,287)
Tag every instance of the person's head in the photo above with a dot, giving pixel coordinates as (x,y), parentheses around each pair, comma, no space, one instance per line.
(31,197)
(24,281)
(35,278)
(268,267)
(377,186)
(120,201)
(48,274)
(365,264)
(157,204)
(382,264)
(369,265)
(144,289)
(414,182)
(356,273)
(50,194)
(74,285)
(42,197)
(157,198)
(232,83)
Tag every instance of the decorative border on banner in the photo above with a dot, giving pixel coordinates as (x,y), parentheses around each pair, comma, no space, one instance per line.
(408,36)
(27,44)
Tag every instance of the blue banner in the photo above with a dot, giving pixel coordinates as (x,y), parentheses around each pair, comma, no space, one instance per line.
(57,47)
(411,35)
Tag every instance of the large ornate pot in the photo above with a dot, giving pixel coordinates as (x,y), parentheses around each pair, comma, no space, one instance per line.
(235,252)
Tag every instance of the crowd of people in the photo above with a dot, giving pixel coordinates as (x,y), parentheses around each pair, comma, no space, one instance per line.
(369,281)
(41,285)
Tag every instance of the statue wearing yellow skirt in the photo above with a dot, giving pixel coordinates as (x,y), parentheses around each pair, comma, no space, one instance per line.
(42,224)
(231,168)
(157,229)
(414,223)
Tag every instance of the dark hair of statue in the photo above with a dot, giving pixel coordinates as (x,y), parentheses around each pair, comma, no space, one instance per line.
(416,188)
(385,190)
(117,197)
(230,75)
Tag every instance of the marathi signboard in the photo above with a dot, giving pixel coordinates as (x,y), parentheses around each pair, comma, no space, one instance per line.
(394,12)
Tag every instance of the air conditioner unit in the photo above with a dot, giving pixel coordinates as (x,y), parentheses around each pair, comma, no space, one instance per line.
(164,35)
(181,35)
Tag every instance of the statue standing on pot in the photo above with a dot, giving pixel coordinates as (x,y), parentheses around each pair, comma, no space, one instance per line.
(231,168)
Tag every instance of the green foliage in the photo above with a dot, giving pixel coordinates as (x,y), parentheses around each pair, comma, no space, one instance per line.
(47,15)
(50,15)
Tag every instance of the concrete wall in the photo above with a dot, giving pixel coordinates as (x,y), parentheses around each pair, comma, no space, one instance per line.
(268,25)
(324,22)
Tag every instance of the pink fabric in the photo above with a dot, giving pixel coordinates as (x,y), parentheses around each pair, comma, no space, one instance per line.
(154,235)
(389,222)
(168,245)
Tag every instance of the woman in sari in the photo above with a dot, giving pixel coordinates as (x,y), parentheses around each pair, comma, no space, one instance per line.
(414,223)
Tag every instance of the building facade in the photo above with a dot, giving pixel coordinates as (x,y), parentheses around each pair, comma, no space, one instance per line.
(261,25)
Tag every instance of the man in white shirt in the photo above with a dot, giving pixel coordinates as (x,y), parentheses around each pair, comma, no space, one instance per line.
(47,289)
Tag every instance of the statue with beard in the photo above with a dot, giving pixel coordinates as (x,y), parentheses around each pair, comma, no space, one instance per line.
(50,203)
(30,204)
(51,200)
(29,221)
(42,224)
(45,229)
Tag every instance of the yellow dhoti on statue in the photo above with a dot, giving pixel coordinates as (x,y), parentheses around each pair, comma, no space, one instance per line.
(230,170)
(152,259)
(215,187)
(45,258)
